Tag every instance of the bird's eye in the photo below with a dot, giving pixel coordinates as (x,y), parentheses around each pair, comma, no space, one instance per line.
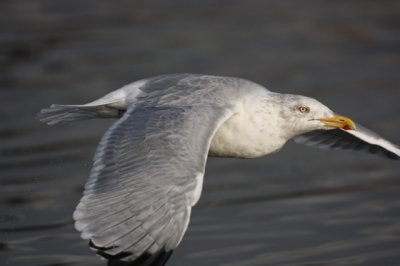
(303,109)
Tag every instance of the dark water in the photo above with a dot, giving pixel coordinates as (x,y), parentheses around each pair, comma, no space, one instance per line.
(298,207)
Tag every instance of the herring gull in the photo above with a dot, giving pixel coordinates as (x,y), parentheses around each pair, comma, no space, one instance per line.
(149,166)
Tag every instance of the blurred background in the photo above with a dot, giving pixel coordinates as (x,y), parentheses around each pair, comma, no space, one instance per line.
(298,207)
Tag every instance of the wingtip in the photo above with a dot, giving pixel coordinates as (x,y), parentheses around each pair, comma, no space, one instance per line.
(126,258)
(396,155)
(159,258)
(61,114)
(49,115)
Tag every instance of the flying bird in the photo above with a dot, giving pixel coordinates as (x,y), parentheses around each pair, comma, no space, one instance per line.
(149,166)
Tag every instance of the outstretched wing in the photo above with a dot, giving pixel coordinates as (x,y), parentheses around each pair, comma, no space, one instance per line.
(147,174)
(361,139)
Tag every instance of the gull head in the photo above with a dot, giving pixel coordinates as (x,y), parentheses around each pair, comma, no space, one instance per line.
(304,114)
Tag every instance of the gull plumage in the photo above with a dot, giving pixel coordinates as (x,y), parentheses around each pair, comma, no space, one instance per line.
(149,166)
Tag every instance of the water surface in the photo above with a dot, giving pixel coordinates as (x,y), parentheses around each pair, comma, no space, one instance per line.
(298,207)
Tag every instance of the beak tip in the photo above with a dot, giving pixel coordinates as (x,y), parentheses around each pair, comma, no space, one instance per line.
(341,122)
(347,127)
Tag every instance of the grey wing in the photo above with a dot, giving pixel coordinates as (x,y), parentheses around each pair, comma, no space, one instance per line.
(147,174)
(361,139)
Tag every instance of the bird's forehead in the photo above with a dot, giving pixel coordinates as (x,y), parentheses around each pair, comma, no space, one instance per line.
(301,100)
(311,102)
(291,100)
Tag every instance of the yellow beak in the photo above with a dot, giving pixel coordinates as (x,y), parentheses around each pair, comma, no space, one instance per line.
(339,122)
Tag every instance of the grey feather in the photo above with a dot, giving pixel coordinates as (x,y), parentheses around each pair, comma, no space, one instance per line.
(140,191)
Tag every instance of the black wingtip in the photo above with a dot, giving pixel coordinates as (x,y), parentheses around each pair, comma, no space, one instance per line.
(146,259)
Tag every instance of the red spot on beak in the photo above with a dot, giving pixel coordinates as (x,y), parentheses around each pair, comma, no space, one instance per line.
(346,127)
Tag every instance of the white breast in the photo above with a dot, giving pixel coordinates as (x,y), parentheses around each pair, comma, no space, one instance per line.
(253,131)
